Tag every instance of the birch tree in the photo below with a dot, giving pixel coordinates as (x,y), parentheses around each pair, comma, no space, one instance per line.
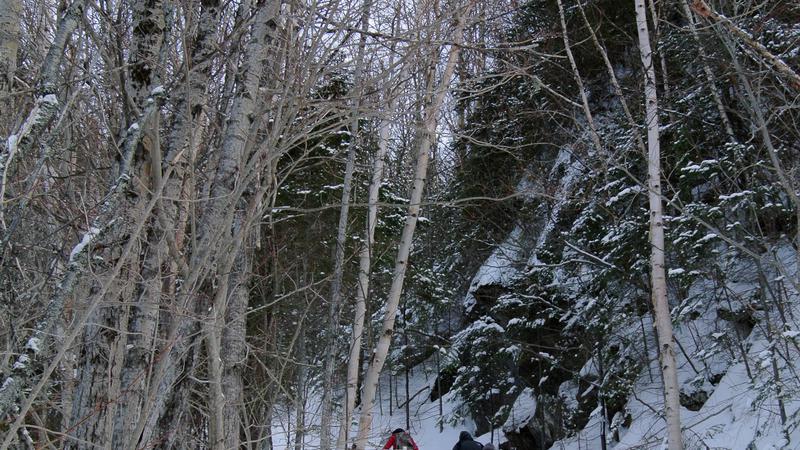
(364,270)
(104,353)
(658,279)
(426,136)
(229,304)
(341,236)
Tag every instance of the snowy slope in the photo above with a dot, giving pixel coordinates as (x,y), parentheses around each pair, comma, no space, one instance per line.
(424,421)
(742,411)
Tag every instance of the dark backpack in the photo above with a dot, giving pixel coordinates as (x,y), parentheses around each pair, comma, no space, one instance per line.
(403,440)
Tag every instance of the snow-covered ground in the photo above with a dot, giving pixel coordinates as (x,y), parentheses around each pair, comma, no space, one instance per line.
(742,411)
(424,421)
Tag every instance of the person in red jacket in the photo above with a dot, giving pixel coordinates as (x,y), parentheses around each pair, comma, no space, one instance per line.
(400,440)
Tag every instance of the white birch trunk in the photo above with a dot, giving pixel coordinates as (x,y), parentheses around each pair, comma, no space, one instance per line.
(341,237)
(663,321)
(128,365)
(157,286)
(434,99)
(220,219)
(234,351)
(364,268)
(10,11)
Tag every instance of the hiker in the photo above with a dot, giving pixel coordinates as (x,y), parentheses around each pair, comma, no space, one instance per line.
(465,442)
(400,440)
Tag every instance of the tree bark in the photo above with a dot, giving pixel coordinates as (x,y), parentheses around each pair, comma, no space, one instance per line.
(658,279)
(299,395)
(156,288)
(10,11)
(222,221)
(127,350)
(234,351)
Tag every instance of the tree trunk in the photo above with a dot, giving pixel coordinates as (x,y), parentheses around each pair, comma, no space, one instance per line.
(158,276)
(10,12)
(426,135)
(341,236)
(299,396)
(222,222)
(129,349)
(234,351)
(46,103)
(330,360)
(364,268)
(658,279)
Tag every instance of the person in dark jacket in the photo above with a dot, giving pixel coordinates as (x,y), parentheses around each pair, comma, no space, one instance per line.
(465,442)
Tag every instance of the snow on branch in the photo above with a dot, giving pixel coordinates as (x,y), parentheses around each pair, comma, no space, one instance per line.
(704,10)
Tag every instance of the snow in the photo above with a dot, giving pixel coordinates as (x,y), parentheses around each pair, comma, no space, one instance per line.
(522,411)
(21,362)
(50,100)
(501,268)
(630,190)
(11,144)
(740,413)
(87,239)
(736,195)
(424,421)
(33,345)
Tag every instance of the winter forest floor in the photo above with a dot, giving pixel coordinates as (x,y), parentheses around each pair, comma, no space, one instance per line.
(424,420)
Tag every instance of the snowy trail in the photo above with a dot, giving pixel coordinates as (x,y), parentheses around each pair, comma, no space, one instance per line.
(424,420)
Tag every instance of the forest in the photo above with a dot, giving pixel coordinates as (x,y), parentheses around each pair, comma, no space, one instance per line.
(303,224)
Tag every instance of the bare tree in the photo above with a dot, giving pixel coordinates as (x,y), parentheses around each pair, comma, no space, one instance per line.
(341,236)
(658,278)
(364,270)
(426,136)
